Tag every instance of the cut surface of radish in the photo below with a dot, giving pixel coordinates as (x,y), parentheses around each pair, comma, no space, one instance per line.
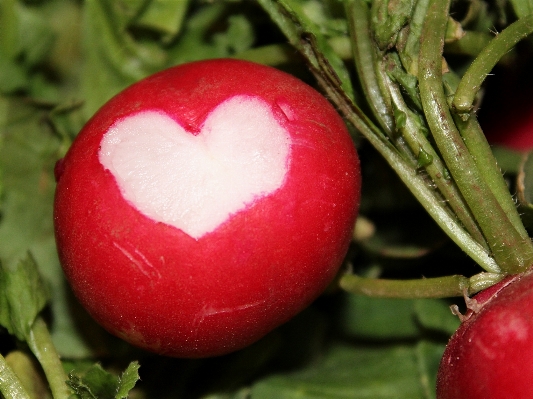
(196,182)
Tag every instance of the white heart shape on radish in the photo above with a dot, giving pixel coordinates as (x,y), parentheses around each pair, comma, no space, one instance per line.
(195,183)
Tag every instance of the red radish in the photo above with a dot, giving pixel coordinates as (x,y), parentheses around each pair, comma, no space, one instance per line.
(491,354)
(506,113)
(206,205)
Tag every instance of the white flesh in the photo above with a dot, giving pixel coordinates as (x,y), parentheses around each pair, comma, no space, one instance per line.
(196,183)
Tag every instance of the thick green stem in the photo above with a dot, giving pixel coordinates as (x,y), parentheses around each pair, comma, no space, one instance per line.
(10,385)
(484,158)
(40,343)
(436,287)
(487,59)
(506,244)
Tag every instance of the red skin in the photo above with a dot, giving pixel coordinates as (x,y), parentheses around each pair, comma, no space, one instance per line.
(181,297)
(511,127)
(491,354)
(506,113)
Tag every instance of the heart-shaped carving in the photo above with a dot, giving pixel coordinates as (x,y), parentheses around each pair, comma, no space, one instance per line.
(196,182)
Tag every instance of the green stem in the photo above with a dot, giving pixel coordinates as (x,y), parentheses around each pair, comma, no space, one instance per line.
(436,287)
(365,57)
(332,86)
(487,59)
(10,385)
(435,168)
(40,343)
(503,239)
(486,162)
(414,182)
(471,44)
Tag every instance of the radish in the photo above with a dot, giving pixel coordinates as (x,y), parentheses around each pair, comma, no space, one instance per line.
(506,112)
(490,356)
(206,205)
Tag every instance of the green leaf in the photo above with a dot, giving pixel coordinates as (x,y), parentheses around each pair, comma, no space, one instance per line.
(12,76)
(435,315)
(508,160)
(388,18)
(113,59)
(97,383)
(27,156)
(379,372)
(128,380)
(9,31)
(428,356)
(291,17)
(28,152)
(165,16)
(238,37)
(25,41)
(35,36)
(23,297)
(202,38)
(378,318)
(391,319)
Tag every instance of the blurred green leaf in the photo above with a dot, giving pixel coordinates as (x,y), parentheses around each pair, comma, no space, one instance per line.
(12,77)
(436,315)
(379,372)
(9,29)
(28,152)
(35,36)
(508,160)
(165,16)
(379,319)
(23,295)
(27,156)
(208,34)
(428,356)
(113,59)
(25,41)
(237,38)
(304,34)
